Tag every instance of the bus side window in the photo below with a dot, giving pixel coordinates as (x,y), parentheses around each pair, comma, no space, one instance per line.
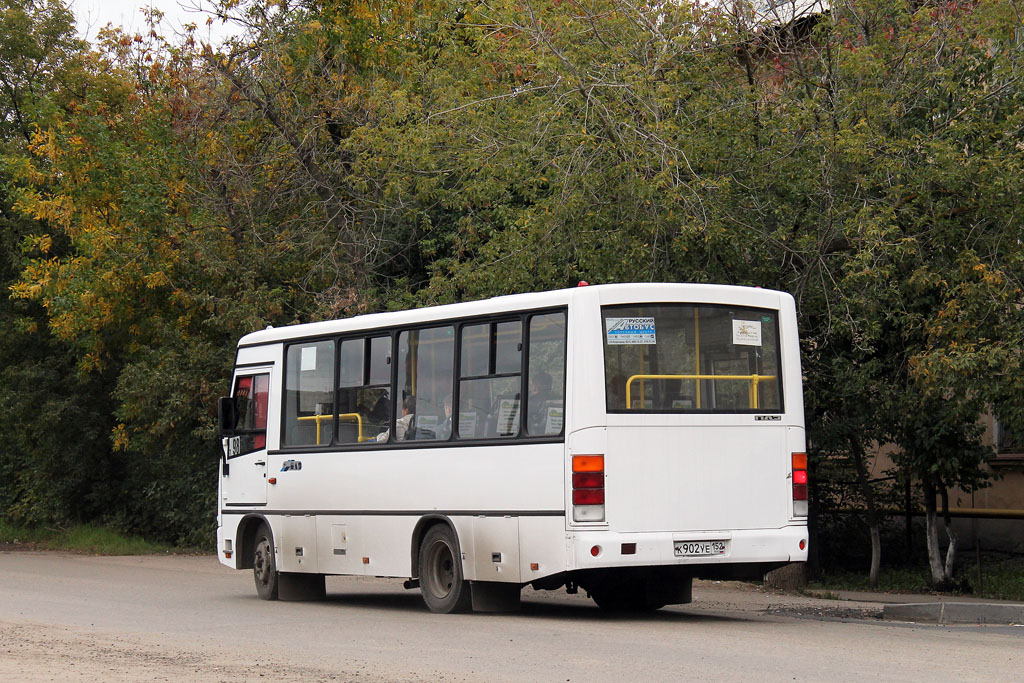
(364,389)
(426,360)
(309,394)
(490,382)
(545,403)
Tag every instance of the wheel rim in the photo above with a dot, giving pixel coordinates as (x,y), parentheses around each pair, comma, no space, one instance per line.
(261,562)
(441,569)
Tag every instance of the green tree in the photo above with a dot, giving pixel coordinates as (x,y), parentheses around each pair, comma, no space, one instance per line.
(54,422)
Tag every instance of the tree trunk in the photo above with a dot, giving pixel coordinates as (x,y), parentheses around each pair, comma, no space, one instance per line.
(857,450)
(953,538)
(932,533)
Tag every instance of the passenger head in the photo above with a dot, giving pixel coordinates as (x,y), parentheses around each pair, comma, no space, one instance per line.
(541,383)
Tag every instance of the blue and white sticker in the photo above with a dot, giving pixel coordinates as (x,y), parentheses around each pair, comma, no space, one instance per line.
(630,331)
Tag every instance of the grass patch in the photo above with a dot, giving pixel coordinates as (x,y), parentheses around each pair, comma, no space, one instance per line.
(87,539)
(896,580)
(1002,579)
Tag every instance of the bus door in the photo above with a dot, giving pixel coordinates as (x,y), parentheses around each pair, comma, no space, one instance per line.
(244,469)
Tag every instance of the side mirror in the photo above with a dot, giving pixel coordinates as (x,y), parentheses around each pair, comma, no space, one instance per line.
(227,416)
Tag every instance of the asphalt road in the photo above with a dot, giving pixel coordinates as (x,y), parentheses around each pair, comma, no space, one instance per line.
(70,617)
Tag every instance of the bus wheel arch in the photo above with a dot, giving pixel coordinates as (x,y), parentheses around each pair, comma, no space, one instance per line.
(422,527)
(245,539)
(443,584)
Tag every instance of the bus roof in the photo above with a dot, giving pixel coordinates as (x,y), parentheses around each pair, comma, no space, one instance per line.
(606,294)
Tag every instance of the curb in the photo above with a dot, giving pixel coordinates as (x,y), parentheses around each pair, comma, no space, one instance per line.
(955,613)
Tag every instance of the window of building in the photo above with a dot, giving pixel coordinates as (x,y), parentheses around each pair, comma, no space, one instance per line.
(1007,440)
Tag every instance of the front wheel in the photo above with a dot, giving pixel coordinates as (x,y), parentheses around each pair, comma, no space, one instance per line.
(440,568)
(264,566)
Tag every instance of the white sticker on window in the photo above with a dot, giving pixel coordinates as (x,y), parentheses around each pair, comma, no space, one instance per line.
(308,359)
(746,332)
(630,331)
(467,424)
(508,416)
(555,420)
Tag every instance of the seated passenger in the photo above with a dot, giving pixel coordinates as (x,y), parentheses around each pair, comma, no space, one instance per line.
(403,425)
(540,393)
(444,429)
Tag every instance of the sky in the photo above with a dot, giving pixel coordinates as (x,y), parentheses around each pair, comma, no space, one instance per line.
(93,15)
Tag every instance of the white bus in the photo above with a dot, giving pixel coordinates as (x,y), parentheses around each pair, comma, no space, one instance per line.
(622,439)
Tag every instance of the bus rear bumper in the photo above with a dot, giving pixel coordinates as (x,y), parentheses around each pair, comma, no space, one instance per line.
(597,549)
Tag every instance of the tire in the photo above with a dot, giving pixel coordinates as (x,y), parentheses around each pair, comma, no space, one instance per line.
(442,585)
(264,565)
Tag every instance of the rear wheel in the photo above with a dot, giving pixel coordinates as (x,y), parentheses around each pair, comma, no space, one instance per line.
(264,566)
(444,589)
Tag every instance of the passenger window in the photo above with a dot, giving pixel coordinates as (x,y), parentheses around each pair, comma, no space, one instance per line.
(475,349)
(252,396)
(350,372)
(490,383)
(545,402)
(364,390)
(426,360)
(309,394)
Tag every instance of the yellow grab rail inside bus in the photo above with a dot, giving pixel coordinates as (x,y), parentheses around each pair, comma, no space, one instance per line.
(343,416)
(753,379)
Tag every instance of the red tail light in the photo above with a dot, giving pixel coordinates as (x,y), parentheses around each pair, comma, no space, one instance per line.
(588,497)
(588,480)
(799,484)
(588,488)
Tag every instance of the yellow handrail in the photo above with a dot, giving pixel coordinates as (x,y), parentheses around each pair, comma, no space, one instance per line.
(753,379)
(341,416)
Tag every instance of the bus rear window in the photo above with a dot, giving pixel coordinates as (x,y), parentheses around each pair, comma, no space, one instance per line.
(678,358)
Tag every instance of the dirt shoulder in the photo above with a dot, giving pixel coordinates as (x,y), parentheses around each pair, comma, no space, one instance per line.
(41,652)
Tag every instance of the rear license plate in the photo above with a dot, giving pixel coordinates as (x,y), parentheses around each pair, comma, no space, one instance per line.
(699,548)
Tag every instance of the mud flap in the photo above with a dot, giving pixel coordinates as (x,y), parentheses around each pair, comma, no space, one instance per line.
(491,596)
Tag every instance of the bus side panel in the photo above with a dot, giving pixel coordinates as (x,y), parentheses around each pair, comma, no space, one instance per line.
(542,543)
(491,480)
(337,547)
(295,543)
(496,549)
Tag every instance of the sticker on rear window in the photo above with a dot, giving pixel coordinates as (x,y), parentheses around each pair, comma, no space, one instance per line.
(746,332)
(630,331)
